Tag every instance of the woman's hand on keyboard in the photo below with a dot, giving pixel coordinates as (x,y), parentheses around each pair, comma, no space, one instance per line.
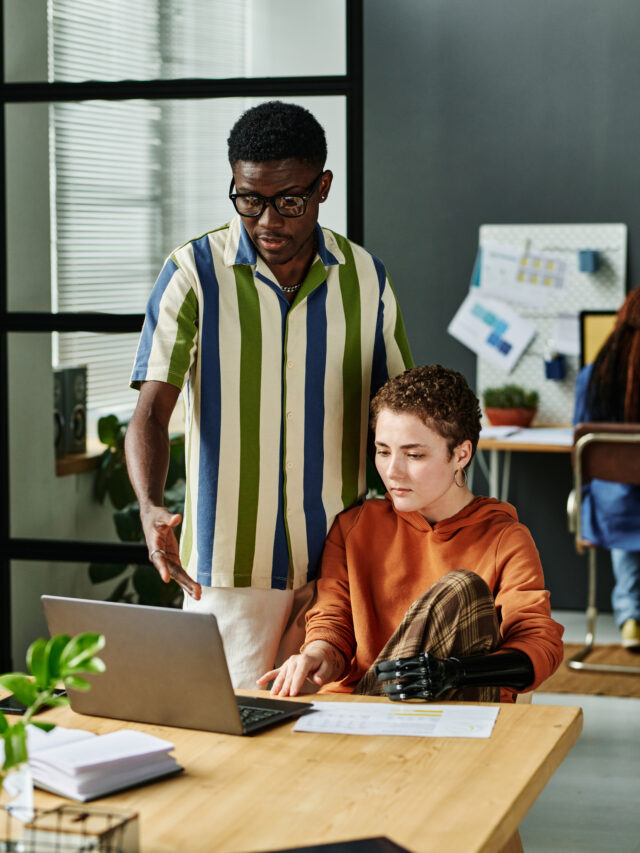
(318,664)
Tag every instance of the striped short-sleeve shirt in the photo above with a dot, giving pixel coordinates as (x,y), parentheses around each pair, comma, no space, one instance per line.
(276,397)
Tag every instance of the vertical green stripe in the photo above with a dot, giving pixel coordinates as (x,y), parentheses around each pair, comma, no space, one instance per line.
(351,375)
(180,354)
(178,366)
(186,536)
(250,383)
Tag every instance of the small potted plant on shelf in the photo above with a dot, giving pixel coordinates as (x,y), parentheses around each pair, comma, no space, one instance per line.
(62,660)
(510,405)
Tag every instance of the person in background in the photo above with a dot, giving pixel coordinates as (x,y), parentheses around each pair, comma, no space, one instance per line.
(277,331)
(432,591)
(609,390)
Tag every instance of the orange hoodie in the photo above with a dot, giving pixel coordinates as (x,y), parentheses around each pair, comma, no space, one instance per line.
(377,562)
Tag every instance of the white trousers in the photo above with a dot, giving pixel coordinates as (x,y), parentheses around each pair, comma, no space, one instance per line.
(260,628)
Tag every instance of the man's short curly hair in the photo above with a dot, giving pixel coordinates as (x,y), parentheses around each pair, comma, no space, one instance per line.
(440,397)
(277,131)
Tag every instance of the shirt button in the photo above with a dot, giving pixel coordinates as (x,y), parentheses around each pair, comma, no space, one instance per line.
(289,464)
(289,415)
(289,364)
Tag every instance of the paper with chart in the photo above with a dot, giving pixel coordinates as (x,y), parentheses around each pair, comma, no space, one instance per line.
(518,273)
(399,718)
(492,329)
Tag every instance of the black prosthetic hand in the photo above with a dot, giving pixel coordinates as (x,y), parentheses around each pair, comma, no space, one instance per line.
(424,676)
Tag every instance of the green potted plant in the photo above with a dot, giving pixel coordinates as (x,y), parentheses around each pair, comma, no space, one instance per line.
(138,583)
(62,660)
(510,405)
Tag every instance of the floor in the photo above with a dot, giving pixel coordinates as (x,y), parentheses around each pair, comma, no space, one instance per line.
(592,802)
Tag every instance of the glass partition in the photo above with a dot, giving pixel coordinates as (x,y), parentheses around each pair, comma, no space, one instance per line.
(173,39)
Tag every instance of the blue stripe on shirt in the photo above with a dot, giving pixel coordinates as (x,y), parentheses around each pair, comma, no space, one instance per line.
(210,405)
(151,321)
(314,413)
(379,368)
(280,564)
(246,253)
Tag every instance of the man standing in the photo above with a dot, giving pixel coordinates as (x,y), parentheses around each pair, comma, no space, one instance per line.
(278,331)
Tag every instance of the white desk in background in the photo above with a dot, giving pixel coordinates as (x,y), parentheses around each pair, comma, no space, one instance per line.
(496,440)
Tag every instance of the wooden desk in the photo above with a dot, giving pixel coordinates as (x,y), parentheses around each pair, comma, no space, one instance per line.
(497,445)
(283,789)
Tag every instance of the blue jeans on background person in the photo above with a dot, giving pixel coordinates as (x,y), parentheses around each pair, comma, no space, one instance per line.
(625,597)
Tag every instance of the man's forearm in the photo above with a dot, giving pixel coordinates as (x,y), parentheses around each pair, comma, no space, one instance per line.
(147,456)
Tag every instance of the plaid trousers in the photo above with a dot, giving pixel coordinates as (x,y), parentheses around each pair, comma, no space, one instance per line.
(456,617)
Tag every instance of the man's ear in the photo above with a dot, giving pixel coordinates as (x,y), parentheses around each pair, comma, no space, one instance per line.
(325,185)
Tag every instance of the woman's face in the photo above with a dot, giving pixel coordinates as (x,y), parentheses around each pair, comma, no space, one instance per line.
(417,468)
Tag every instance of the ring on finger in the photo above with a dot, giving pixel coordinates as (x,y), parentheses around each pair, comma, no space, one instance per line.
(157,551)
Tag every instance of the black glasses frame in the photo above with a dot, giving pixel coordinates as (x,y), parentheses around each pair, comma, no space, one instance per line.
(272,200)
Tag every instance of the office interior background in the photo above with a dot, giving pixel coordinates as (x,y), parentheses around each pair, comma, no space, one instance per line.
(504,111)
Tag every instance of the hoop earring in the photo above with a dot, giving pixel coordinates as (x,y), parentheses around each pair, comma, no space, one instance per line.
(462,471)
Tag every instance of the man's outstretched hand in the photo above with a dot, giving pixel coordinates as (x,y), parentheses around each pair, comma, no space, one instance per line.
(158,525)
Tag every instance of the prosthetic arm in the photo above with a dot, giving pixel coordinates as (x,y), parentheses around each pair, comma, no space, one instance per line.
(424,676)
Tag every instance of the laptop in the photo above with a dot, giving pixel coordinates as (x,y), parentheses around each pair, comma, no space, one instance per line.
(163,666)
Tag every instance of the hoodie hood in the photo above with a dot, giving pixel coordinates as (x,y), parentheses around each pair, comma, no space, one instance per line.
(480,510)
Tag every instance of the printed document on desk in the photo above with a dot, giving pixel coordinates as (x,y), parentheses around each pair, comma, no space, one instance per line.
(399,718)
(542,435)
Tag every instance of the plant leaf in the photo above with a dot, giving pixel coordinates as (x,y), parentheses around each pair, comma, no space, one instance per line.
(77,683)
(101,572)
(4,723)
(149,585)
(128,524)
(37,662)
(56,646)
(56,701)
(15,746)
(102,476)
(79,650)
(118,593)
(21,686)
(46,727)
(109,430)
(119,488)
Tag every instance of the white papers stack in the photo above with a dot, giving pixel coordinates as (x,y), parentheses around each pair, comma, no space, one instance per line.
(83,766)
(399,718)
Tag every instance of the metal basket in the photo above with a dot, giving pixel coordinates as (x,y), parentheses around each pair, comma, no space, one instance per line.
(70,829)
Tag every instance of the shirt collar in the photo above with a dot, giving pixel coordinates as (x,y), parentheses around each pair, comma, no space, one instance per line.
(240,250)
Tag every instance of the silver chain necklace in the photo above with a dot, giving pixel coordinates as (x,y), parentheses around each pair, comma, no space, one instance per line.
(290,288)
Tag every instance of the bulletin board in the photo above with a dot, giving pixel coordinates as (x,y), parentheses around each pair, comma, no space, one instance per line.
(604,289)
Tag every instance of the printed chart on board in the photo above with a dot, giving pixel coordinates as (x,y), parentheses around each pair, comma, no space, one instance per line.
(527,291)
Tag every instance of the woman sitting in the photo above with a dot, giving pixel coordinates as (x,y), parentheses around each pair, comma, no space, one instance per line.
(609,390)
(431,591)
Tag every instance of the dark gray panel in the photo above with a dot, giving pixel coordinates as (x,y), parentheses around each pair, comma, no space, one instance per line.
(499,111)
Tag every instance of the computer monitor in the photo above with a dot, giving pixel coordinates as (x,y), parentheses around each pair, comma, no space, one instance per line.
(595,328)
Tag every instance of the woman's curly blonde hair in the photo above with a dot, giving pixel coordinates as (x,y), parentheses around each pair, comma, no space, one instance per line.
(439,397)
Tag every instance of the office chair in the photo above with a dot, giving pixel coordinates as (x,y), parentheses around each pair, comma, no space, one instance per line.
(602,451)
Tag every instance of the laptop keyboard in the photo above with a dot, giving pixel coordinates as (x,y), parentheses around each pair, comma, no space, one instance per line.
(250,716)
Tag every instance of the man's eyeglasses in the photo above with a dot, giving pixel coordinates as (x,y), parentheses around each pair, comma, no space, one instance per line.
(286,204)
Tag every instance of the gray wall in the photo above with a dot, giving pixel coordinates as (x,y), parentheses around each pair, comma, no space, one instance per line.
(498,111)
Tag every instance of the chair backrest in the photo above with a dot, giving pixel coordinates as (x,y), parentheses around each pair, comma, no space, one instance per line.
(607,451)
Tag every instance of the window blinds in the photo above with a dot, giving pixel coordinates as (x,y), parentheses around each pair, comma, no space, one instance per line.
(131,180)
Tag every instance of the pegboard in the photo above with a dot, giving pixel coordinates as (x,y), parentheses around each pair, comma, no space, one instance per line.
(604,289)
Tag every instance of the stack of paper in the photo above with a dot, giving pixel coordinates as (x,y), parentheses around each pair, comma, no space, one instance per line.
(81,765)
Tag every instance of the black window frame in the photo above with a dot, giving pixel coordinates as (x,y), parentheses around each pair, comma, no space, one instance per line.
(349,85)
